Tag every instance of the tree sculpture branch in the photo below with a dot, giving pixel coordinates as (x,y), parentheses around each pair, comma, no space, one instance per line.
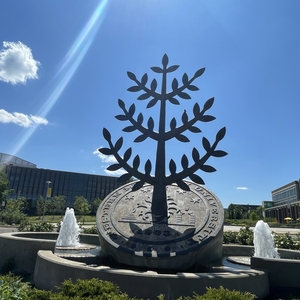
(159,180)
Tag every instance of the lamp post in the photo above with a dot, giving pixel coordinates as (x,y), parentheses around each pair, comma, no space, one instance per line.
(48,182)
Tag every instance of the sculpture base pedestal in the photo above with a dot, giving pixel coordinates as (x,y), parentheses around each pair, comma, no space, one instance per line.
(192,235)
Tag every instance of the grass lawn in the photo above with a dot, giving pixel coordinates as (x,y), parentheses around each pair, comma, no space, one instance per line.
(88,219)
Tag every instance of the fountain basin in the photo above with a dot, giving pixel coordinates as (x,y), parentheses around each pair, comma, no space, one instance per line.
(281,272)
(148,284)
(24,246)
(50,270)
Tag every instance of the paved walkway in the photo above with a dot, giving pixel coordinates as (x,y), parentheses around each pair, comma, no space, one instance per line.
(279,230)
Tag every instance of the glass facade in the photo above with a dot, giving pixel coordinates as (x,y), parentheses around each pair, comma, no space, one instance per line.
(6,159)
(31,184)
(286,204)
(286,195)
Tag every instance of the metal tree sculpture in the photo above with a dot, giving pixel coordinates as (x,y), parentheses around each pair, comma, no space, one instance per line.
(159,208)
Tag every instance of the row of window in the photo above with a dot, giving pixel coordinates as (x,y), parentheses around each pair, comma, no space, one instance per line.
(290,192)
(31,183)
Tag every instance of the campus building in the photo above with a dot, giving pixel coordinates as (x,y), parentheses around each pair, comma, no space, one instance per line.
(26,180)
(285,203)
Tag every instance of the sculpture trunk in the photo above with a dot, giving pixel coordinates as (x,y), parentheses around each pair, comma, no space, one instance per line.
(159,206)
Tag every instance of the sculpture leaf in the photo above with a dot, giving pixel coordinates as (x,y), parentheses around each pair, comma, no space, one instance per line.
(140,138)
(174,101)
(182,138)
(183,185)
(105,151)
(114,167)
(121,104)
(124,177)
(184,161)
(192,87)
(129,128)
(207,168)
(153,85)
(157,70)
(106,134)
(207,118)
(172,166)
(150,123)
(184,95)
(184,117)
(165,60)
(194,129)
(144,79)
(196,109)
(174,84)
(121,117)
(152,103)
(148,167)
(127,154)
(173,124)
(196,179)
(219,153)
(138,185)
(144,96)
(119,144)
(185,79)
(136,162)
(131,110)
(131,76)
(172,68)
(199,72)
(134,88)
(221,133)
(195,155)
(208,104)
(206,144)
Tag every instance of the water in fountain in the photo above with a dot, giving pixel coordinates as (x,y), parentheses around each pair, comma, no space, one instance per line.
(264,241)
(69,231)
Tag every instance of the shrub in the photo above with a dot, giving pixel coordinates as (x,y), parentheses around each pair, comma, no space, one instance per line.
(245,236)
(36,227)
(229,237)
(12,288)
(91,289)
(222,294)
(286,241)
(90,230)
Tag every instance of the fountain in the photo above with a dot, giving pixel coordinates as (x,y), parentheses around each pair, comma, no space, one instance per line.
(69,230)
(160,231)
(264,241)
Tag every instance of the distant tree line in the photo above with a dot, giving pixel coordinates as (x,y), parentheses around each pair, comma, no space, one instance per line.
(235,211)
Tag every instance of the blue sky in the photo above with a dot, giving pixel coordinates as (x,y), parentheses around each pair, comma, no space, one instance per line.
(63,67)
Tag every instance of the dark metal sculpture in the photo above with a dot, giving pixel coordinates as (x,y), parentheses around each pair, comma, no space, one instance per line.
(160,180)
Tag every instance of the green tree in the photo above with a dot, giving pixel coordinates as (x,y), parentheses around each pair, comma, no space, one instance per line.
(4,183)
(39,207)
(59,202)
(259,212)
(82,206)
(97,201)
(14,211)
(253,216)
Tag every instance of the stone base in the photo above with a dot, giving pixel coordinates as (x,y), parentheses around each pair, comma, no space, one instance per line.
(192,234)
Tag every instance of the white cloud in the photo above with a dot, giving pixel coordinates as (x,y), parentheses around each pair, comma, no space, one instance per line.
(21,119)
(17,64)
(108,159)
(242,188)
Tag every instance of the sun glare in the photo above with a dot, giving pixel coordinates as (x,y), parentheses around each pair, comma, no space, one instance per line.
(68,67)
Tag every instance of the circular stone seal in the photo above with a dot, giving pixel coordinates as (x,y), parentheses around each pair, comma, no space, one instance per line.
(192,235)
